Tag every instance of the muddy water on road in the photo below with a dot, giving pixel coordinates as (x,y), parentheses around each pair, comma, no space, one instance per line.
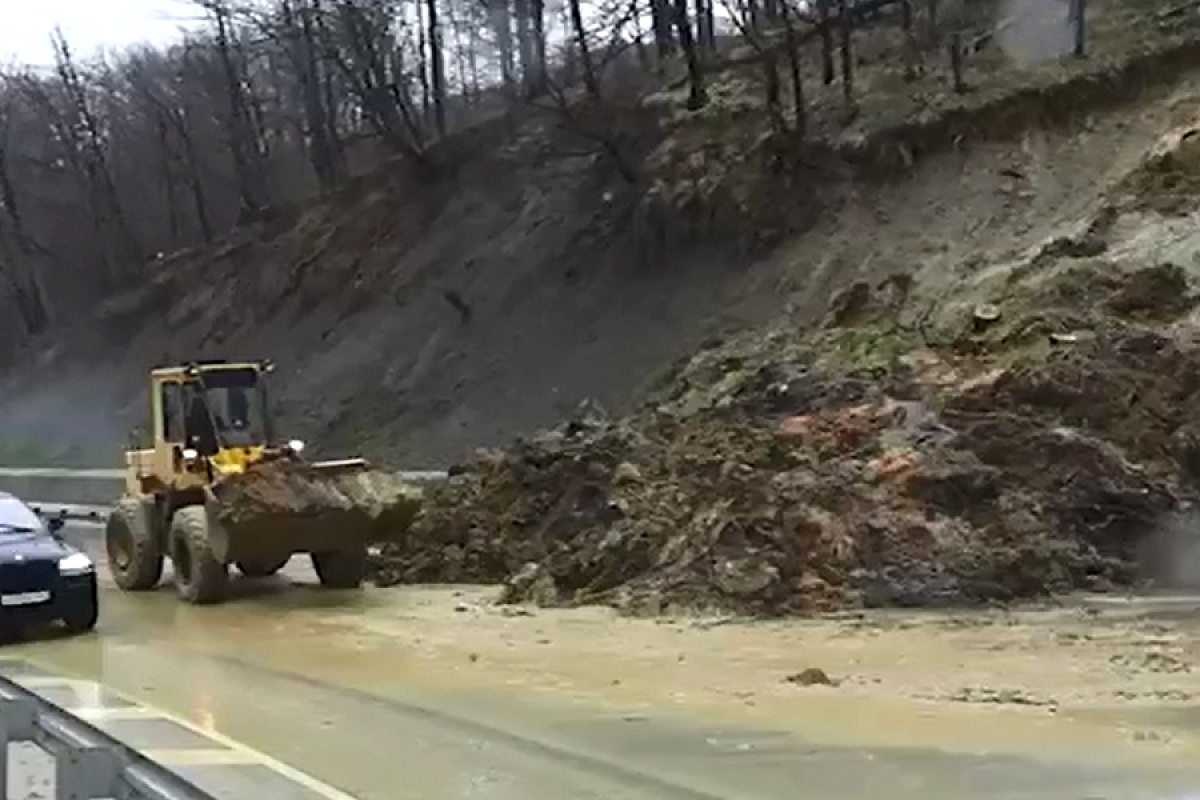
(435,693)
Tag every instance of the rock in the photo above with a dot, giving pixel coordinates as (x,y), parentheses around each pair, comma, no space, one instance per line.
(626,473)
(812,676)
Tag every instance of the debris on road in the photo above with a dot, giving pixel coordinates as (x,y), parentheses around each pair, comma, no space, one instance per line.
(1022,441)
(812,676)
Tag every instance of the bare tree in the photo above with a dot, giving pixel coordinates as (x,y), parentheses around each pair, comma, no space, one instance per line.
(17,263)
(846,27)
(697,95)
(107,161)
(1078,15)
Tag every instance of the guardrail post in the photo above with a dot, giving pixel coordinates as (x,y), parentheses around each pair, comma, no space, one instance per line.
(18,719)
(85,772)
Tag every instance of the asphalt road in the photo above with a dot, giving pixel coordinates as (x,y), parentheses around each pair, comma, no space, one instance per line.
(284,693)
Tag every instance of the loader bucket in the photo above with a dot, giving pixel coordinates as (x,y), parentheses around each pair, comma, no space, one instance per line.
(282,507)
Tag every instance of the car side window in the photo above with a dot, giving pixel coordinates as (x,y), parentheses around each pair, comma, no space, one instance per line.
(172,409)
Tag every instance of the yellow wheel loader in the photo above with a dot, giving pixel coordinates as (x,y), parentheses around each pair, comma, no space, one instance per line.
(216,488)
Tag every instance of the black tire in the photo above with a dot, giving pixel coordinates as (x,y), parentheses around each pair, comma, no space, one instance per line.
(83,618)
(135,556)
(265,569)
(200,578)
(341,569)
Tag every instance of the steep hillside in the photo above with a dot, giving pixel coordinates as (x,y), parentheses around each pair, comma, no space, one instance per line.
(414,317)
(1019,425)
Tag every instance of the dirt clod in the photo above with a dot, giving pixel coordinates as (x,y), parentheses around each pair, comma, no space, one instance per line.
(812,676)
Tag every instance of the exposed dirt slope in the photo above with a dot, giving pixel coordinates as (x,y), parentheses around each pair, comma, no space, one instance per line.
(1028,428)
(575,286)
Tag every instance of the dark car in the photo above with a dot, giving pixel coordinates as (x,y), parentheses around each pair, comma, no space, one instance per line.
(42,577)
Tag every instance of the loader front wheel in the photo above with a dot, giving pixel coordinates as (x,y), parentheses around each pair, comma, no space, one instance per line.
(341,569)
(135,555)
(262,569)
(200,578)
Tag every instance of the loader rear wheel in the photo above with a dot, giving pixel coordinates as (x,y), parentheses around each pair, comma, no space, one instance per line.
(262,569)
(341,569)
(135,556)
(200,578)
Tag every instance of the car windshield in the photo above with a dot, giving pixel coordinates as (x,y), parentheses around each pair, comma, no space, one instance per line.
(16,517)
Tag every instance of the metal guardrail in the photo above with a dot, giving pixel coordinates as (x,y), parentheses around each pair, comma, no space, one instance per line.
(90,493)
(88,763)
(59,472)
(68,510)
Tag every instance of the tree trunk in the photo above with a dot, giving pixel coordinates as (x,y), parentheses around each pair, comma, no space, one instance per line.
(956,63)
(590,81)
(846,27)
(28,295)
(1078,15)
(473,60)
(238,122)
(422,62)
(662,15)
(705,35)
(167,177)
(824,23)
(316,117)
(522,13)
(437,61)
(500,16)
(697,95)
(8,192)
(799,104)
(538,84)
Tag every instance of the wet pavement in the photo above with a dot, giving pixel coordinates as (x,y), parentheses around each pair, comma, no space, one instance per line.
(292,692)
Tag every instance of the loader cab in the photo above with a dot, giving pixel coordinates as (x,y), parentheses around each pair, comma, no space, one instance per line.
(209,413)
(223,408)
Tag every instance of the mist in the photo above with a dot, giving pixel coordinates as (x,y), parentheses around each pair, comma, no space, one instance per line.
(1029,31)
(72,420)
(1170,555)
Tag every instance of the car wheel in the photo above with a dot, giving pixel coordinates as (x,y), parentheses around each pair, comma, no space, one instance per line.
(135,556)
(82,619)
(200,578)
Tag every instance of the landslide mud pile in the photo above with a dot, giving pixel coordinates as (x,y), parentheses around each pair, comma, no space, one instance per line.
(1023,448)
(1032,429)
(357,502)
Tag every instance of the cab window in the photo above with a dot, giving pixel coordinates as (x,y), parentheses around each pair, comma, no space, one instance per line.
(172,410)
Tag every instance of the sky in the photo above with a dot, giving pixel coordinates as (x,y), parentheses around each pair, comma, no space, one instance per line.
(25,25)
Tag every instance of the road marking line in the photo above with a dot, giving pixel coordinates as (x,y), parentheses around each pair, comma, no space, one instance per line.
(45,681)
(200,757)
(105,713)
(85,693)
(257,756)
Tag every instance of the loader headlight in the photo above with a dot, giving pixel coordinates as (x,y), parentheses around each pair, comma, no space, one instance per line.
(75,564)
(295,445)
(190,454)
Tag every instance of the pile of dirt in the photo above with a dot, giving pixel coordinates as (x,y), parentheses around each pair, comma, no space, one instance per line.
(792,471)
(360,502)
